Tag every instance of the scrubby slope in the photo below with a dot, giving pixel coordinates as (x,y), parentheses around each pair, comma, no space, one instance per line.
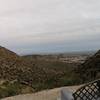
(36,74)
(5,53)
(10,64)
(90,70)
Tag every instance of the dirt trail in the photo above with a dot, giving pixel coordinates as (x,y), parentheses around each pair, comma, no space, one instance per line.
(53,94)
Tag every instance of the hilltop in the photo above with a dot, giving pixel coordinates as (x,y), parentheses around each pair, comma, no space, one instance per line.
(7,54)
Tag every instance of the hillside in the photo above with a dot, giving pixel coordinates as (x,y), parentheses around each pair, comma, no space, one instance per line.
(28,74)
(10,64)
(5,53)
(20,75)
(90,69)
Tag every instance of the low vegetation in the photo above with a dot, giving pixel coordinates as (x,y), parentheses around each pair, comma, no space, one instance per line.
(39,76)
(13,88)
(90,70)
(26,75)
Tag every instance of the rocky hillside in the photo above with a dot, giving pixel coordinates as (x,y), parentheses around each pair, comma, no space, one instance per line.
(48,74)
(5,53)
(9,64)
(90,70)
(30,75)
(12,66)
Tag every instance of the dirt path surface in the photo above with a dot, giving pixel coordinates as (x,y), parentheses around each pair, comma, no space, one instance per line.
(53,94)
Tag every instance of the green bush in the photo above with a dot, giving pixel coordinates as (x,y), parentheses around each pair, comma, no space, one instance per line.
(9,89)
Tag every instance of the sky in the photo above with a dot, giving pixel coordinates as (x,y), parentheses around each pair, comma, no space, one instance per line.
(49,26)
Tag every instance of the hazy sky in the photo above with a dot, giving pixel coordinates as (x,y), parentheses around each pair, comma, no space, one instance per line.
(35,26)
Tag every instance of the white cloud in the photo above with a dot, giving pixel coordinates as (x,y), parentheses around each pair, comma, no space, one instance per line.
(24,22)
